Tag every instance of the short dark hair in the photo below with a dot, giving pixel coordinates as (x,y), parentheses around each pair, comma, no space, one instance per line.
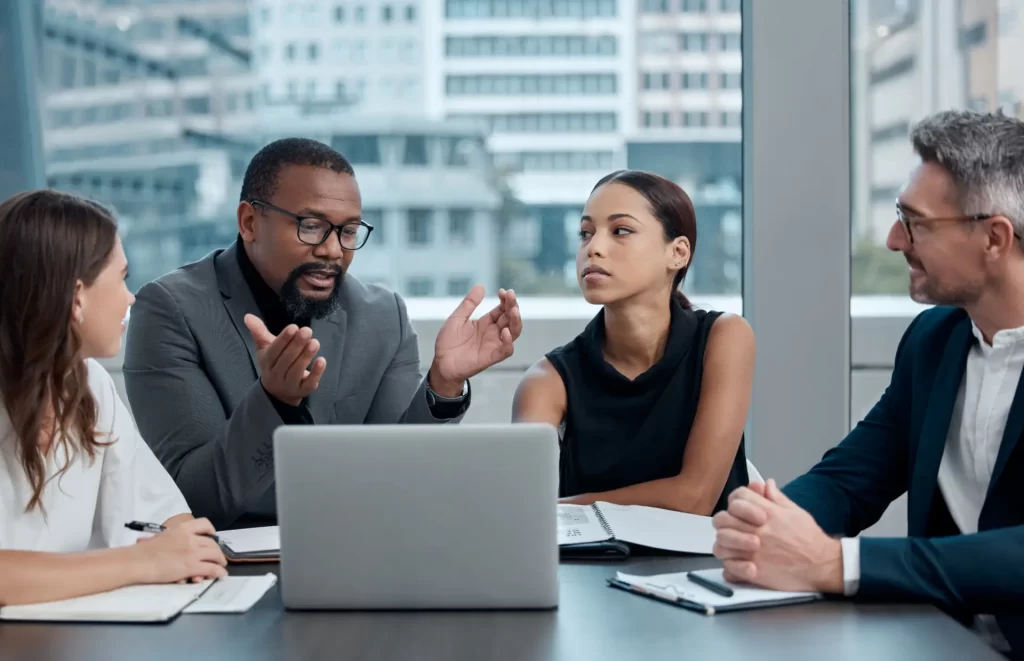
(260,179)
(671,205)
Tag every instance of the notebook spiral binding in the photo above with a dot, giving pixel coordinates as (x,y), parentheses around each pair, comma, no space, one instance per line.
(603,521)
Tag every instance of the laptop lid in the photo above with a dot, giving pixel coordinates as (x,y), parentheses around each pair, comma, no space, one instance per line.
(418,516)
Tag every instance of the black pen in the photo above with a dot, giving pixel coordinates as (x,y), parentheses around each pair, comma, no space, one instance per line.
(714,586)
(142,526)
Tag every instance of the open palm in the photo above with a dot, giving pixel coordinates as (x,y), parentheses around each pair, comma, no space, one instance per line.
(465,347)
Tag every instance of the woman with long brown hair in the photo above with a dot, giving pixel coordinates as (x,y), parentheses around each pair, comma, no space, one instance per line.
(73,469)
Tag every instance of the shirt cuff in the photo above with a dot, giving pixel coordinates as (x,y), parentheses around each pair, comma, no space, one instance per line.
(291,415)
(851,565)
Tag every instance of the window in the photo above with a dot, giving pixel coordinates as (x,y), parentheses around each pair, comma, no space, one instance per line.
(655,6)
(531,84)
(532,46)
(358,149)
(460,226)
(695,119)
(730,81)
(729,6)
(289,52)
(420,286)
(693,42)
(314,52)
(694,81)
(420,227)
(656,81)
(360,14)
(693,6)
(386,13)
(339,14)
(730,42)
(415,150)
(459,286)
(197,105)
(731,119)
(410,13)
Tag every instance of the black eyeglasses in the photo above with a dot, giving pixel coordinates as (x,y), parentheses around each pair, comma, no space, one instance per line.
(314,231)
(906,220)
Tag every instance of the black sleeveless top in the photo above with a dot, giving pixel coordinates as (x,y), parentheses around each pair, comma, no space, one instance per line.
(620,432)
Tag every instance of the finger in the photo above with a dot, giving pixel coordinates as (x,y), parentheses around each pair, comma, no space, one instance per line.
(742,542)
(282,342)
(506,340)
(748,512)
(260,335)
(292,351)
(724,553)
(311,380)
(470,303)
(739,571)
(774,494)
(515,324)
(295,373)
(749,495)
(199,527)
(206,570)
(724,521)
(757,487)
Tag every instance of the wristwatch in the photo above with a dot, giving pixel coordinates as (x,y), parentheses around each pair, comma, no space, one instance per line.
(434,398)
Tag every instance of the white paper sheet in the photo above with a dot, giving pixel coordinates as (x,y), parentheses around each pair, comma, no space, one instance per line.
(233,594)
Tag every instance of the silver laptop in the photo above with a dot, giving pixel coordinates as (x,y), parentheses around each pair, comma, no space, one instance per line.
(418,517)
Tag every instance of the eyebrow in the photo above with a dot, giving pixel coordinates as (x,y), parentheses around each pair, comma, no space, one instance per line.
(614,216)
(313,213)
(907,208)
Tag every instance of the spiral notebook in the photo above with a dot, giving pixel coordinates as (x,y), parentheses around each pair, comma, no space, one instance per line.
(678,590)
(605,530)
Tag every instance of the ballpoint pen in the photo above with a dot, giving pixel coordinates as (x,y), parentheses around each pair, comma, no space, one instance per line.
(142,526)
(708,584)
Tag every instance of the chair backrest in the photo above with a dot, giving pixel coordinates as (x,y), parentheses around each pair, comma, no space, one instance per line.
(752,473)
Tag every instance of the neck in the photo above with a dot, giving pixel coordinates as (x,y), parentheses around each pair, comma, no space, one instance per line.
(1001,306)
(636,331)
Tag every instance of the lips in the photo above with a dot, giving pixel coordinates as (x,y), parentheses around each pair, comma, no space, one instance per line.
(320,278)
(597,270)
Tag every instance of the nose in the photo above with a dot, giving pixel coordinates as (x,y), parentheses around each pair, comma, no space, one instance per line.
(131,299)
(596,245)
(330,250)
(897,241)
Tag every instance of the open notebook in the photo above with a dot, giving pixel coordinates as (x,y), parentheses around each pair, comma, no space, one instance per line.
(608,531)
(679,590)
(251,544)
(150,603)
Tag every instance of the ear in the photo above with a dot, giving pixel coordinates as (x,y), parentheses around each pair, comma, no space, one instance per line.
(78,303)
(247,221)
(679,256)
(1001,236)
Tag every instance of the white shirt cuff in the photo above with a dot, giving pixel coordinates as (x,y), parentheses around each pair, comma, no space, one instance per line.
(851,565)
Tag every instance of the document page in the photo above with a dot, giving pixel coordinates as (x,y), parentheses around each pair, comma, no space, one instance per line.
(578,524)
(660,529)
(251,540)
(679,586)
(233,594)
(135,603)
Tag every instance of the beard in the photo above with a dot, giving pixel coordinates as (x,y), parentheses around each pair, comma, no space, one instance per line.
(304,307)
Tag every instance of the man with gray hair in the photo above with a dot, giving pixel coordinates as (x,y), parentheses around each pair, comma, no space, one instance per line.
(947,429)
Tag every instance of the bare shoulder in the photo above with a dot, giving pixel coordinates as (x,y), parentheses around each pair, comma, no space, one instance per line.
(731,334)
(540,396)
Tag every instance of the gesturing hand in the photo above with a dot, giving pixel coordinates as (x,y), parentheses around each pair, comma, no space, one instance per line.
(766,539)
(466,347)
(284,360)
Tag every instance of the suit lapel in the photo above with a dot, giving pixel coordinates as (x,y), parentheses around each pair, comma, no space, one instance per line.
(331,334)
(936,426)
(238,299)
(1014,429)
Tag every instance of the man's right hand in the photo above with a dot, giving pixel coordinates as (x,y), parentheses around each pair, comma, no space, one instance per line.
(284,359)
(179,554)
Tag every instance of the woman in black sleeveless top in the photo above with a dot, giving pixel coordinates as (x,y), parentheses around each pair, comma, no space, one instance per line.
(652,396)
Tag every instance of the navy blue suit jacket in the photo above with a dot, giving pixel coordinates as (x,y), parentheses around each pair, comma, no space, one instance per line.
(896,449)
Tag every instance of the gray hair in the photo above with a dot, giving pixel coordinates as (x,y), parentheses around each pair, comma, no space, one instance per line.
(984,153)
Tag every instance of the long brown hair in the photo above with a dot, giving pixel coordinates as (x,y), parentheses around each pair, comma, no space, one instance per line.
(48,242)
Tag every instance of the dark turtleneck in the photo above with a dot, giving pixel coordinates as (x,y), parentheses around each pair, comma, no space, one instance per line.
(276,318)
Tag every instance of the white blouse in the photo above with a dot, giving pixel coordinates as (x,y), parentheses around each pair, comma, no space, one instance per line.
(87,507)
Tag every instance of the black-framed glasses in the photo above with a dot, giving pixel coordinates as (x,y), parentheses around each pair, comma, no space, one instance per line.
(314,231)
(906,221)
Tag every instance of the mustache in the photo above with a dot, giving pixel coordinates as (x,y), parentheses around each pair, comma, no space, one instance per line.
(317,267)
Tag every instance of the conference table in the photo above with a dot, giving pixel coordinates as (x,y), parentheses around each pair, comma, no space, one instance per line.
(593,623)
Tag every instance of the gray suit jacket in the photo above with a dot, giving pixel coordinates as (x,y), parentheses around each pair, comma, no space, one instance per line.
(192,378)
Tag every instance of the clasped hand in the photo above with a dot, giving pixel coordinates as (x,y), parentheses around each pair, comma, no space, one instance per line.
(766,539)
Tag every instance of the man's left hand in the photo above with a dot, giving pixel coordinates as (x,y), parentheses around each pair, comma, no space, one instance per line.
(766,539)
(465,347)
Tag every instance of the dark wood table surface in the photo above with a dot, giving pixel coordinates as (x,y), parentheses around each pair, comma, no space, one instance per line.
(593,623)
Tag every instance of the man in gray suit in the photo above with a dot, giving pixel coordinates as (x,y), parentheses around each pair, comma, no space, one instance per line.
(272,331)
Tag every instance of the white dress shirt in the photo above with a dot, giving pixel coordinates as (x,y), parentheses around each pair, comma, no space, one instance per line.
(972,445)
(87,507)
